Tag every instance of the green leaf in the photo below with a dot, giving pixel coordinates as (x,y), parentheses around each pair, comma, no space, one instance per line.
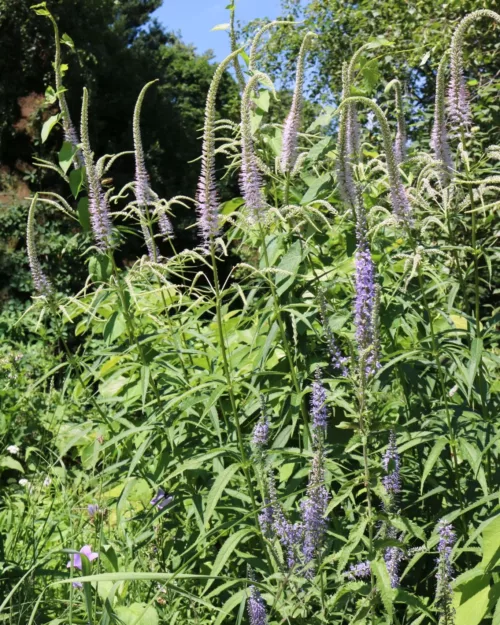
(40,9)
(115,326)
(221,27)
(100,268)
(217,490)
(76,180)
(66,40)
(137,614)
(230,604)
(371,75)
(11,463)
(47,127)
(471,603)
(434,454)
(475,359)
(83,213)
(491,543)
(496,615)
(226,550)
(316,187)
(290,264)
(65,156)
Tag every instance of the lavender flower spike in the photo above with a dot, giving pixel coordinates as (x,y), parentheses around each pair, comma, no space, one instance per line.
(313,509)
(260,434)
(250,178)
(393,557)
(40,280)
(289,149)
(207,197)
(392,465)
(98,204)
(256,608)
(400,142)
(444,575)
(319,411)
(399,199)
(142,187)
(458,96)
(366,300)
(361,570)
(439,136)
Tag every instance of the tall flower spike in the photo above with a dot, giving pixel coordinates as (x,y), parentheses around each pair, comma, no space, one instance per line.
(458,96)
(40,280)
(399,199)
(366,300)
(444,575)
(349,141)
(70,134)
(400,142)
(250,177)
(142,186)
(319,412)
(289,534)
(260,434)
(439,136)
(391,463)
(207,197)
(289,145)
(257,38)
(313,508)
(256,607)
(393,556)
(98,204)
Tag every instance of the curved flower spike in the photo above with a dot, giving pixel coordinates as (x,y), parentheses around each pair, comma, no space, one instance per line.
(250,178)
(458,96)
(143,193)
(400,142)
(207,197)
(439,136)
(98,204)
(289,149)
(40,280)
(399,199)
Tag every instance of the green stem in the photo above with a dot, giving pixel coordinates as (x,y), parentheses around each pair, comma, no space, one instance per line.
(129,322)
(440,374)
(286,344)
(227,374)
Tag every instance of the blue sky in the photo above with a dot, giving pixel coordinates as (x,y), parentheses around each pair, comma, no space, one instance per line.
(195,19)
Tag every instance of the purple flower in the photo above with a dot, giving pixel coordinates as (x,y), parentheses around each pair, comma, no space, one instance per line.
(161,500)
(444,575)
(256,608)
(365,308)
(266,519)
(313,509)
(289,534)
(319,411)
(393,557)
(260,434)
(361,570)
(459,111)
(392,464)
(76,560)
(289,150)
(93,509)
(251,180)
(40,280)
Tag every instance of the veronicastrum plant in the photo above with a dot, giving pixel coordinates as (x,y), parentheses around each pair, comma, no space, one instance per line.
(304,435)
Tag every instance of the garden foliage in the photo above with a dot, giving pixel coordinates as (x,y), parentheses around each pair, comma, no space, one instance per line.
(294,421)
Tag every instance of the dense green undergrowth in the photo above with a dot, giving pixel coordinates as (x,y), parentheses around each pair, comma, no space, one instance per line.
(297,421)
